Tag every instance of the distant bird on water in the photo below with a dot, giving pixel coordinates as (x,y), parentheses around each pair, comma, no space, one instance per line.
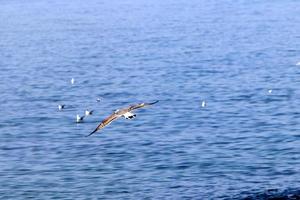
(203,104)
(79,119)
(72,81)
(125,112)
(270,91)
(88,112)
(61,106)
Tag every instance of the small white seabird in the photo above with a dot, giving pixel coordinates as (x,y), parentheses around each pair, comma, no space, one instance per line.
(203,104)
(61,106)
(270,91)
(79,119)
(88,112)
(72,81)
(98,99)
(125,112)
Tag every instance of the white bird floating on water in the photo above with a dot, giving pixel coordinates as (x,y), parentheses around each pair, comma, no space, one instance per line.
(61,106)
(79,119)
(125,112)
(98,99)
(72,81)
(203,104)
(270,91)
(88,112)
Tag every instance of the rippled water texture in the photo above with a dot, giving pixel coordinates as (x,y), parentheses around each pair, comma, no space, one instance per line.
(227,53)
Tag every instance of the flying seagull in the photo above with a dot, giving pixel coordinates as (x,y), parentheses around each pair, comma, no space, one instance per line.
(125,112)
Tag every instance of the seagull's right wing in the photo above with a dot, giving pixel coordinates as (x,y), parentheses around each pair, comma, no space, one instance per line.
(105,122)
(141,105)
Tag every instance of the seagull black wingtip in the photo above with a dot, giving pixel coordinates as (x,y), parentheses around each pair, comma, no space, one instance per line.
(91,133)
(154,102)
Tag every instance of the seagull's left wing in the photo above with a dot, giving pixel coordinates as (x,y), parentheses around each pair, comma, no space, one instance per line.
(105,122)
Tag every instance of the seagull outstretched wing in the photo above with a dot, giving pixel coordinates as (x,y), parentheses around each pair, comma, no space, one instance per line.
(141,105)
(105,122)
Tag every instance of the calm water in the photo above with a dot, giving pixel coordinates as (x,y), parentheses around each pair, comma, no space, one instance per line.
(228,53)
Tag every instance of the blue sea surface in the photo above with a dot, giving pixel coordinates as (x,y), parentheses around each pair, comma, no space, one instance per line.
(227,53)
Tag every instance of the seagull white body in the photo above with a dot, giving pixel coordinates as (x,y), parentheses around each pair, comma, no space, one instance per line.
(129,115)
(79,119)
(72,81)
(88,112)
(270,91)
(98,100)
(61,106)
(203,104)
